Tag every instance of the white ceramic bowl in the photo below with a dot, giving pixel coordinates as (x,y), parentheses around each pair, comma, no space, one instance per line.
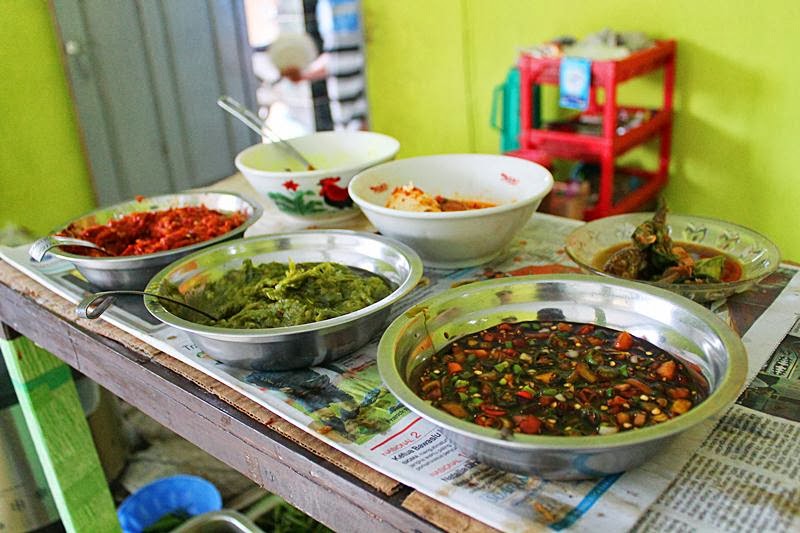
(454,239)
(319,196)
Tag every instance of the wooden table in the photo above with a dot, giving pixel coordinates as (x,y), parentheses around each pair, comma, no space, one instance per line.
(316,478)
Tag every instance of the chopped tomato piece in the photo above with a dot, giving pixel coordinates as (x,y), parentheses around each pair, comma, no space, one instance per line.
(530,424)
(454,368)
(624,341)
(666,369)
(617,401)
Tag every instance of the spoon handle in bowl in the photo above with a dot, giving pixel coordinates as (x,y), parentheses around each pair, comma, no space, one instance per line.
(39,248)
(252,121)
(94,305)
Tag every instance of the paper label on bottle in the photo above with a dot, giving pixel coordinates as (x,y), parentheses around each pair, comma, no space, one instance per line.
(575,78)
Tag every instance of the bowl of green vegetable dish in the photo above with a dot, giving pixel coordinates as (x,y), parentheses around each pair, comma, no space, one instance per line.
(564,376)
(288,300)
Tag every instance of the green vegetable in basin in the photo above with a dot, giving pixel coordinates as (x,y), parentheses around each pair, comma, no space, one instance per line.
(273,295)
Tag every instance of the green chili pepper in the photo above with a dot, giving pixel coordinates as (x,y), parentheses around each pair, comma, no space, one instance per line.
(501,367)
(607,372)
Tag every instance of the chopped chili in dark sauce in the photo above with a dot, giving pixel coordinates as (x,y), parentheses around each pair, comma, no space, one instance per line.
(559,378)
(148,232)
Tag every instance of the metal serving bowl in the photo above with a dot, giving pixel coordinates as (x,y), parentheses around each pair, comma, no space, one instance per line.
(134,271)
(758,256)
(683,328)
(294,346)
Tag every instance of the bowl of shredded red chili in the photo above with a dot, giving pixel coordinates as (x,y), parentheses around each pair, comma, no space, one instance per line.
(141,236)
(565,376)
(149,232)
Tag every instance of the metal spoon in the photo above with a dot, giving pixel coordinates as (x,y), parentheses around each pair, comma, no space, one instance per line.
(254,122)
(41,246)
(95,304)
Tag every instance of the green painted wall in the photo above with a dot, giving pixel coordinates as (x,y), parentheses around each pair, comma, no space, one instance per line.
(43,176)
(432,65)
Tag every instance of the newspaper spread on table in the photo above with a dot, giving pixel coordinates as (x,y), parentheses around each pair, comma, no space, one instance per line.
(737,472)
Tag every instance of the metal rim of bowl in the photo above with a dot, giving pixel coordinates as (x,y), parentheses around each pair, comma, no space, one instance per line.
(725,393)
(772,251)
(250,335)
(450,215)
(127,261)
(310,173)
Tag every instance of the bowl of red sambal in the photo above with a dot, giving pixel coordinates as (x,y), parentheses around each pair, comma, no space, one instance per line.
(565,376)
(141,236)
(703,259)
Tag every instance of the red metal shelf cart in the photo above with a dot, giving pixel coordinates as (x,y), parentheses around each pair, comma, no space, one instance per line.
(609,143)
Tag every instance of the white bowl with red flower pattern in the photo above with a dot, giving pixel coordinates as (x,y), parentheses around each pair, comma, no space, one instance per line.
(320,195)
(454,239)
